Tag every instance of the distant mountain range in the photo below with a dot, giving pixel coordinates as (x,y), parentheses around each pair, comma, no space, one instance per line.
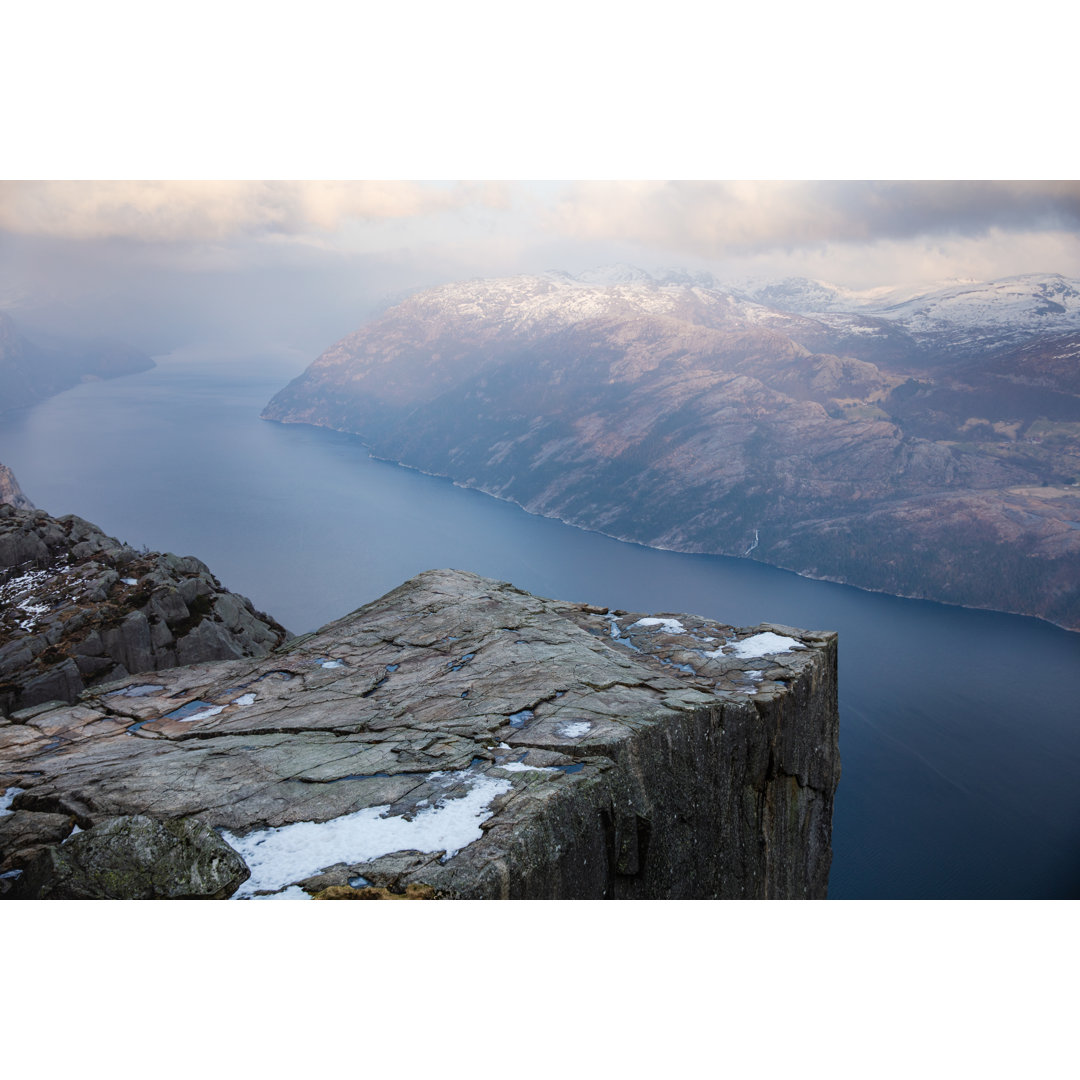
(921,443)
(33,370)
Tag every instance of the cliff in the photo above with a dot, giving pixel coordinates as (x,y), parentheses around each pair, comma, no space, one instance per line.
(924,456)
(78,608)
(456,738)
(10,492)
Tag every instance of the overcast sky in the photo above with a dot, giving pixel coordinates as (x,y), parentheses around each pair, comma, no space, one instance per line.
(167,264)
(603,88)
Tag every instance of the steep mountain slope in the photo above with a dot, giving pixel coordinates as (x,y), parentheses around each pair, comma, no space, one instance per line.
(677,414)
(31,371)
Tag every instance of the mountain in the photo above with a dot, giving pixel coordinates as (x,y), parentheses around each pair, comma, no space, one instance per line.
(960,319)
(79,608)
(10,492)
(925,446)
(31,371)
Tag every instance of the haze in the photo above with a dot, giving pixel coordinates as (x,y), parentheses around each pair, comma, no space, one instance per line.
(293,266)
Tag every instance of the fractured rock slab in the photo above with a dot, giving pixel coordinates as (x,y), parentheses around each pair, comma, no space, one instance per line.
(463,735)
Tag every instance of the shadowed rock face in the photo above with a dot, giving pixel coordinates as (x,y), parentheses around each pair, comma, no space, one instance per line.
(137,858)
(463,735)
(78,608)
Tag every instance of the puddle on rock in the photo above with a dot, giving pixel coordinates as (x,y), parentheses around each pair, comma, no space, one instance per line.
(141,690)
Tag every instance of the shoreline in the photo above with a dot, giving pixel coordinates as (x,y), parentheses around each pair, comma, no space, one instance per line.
(658,547)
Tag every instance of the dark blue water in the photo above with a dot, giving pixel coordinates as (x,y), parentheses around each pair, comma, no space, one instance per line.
(960,730)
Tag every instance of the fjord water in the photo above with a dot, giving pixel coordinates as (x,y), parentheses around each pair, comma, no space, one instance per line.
(960,730)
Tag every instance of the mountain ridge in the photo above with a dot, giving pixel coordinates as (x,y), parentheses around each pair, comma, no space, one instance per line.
(31,371)
(683,417)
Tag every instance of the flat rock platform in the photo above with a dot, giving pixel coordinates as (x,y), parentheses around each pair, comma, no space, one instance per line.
(461,735)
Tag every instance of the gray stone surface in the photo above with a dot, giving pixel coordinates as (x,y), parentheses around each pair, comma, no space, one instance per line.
(135,858)
(78,607)
(603,756)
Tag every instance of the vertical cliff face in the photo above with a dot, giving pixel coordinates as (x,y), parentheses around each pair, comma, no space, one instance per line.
(466,737)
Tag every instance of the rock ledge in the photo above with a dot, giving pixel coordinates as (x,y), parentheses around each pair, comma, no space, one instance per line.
(464,736)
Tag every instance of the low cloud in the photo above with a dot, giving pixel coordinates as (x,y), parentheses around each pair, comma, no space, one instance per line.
(217,211)
(720,219)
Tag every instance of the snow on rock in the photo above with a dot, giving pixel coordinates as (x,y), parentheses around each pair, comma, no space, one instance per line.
(573,729)
(669,626)
(281,856)
(203,714)
(765,644)
(293,892)
(8,798)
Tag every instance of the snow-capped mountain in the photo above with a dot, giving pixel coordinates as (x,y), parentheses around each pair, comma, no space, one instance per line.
(1028,304)
(672,410)
(896,326)
(956,316)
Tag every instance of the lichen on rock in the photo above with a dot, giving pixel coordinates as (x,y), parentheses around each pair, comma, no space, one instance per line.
(136,858)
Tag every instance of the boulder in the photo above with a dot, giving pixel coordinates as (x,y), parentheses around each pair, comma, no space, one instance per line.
(136,858)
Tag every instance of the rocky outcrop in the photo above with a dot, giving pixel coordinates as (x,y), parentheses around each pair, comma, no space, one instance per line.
(691,419)
(31,371)
(136,858)
(464,738)
(10,492)
(78,608)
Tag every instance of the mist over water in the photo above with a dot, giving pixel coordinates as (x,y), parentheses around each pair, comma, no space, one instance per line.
(960,730)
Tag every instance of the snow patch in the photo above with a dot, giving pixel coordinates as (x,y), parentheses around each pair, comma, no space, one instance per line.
(205,714)
(669,626)
(293,892)
(281,856)
(7,799)
(765,644)
(194,710)
(573,729)
(245,699)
